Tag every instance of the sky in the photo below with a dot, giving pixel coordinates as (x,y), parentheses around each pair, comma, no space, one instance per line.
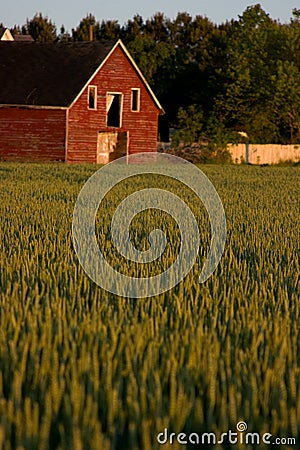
(70,12)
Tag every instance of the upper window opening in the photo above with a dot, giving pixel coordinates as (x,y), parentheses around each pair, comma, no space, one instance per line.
(135,99)
(114,110)
(92,94)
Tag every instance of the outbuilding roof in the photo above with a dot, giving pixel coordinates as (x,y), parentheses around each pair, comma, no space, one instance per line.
(23,38)
(51,74)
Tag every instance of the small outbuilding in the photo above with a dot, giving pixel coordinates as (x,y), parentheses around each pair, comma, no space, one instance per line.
(5,35)
(74,102)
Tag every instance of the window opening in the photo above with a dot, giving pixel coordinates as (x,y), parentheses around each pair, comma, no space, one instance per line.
(114,110)
(92,94)
(135,100)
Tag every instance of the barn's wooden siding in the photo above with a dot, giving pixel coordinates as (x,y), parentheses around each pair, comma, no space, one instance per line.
(116,75)
(32,134)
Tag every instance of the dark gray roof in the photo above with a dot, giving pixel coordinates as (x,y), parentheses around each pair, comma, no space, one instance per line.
(47,74)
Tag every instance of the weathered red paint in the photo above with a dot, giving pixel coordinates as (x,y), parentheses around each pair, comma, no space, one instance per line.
(32,134)
(71,134)
(116,75)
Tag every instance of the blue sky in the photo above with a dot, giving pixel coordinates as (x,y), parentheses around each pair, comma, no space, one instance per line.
(70,12)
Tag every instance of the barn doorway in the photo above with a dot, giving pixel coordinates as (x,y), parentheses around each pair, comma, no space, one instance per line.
(111,145)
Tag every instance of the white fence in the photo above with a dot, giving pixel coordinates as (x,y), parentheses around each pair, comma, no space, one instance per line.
(264,154)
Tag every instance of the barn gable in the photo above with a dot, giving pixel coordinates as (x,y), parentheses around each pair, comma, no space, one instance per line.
(114,128)
(120,44)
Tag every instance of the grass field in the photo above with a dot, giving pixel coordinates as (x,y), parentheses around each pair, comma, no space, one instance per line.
(84,369)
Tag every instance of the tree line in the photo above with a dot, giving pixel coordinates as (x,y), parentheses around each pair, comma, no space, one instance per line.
(214,81)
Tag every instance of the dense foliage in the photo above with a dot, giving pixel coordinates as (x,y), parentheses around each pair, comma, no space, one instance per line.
(82,369)
(243,74)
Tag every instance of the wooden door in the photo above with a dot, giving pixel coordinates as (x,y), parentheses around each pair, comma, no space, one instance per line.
(111,145)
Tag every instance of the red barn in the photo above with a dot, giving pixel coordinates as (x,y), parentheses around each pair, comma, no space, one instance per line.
(75,102)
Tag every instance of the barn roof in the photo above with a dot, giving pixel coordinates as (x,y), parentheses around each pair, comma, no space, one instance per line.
(47,74)
(51,74)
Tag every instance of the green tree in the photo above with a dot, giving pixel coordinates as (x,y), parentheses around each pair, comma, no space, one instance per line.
(155,59)
(296,15)
(190,123)
(40,28)
(287,100)
(254,47)
(109,30)
(200,53)
(64,35)
(207,139)
(157,28)
(133,28)
(82,32)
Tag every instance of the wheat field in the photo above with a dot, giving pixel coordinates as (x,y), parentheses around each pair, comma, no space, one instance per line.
(84,369)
